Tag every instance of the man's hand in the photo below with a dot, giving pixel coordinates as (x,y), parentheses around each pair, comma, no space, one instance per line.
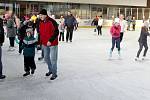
(48,43)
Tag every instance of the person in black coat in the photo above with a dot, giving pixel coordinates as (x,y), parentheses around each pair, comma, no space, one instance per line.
(70,22)
(143,41)
(1,42)
(22,32)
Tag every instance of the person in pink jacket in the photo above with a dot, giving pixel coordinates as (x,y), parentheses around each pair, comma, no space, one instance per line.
(115,32)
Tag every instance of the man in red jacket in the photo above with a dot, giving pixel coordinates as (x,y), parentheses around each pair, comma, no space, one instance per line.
(49,39)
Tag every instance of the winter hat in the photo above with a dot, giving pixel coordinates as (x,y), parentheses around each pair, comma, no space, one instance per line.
(116,20)
(30,30)
(146,24)
(43,12)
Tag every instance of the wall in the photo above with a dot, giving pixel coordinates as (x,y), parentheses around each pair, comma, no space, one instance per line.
(108,2)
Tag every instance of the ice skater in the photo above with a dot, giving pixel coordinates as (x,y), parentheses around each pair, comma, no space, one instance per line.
(29,44)
(115,32)
(143,41)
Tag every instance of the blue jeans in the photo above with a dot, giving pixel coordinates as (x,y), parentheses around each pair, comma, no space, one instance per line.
(117,42)
(50,57)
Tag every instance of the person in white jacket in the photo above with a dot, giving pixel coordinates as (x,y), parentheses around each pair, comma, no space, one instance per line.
(123,26)
(99,27)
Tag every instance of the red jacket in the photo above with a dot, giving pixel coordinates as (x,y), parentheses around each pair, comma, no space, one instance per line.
(115,31)
(48,32)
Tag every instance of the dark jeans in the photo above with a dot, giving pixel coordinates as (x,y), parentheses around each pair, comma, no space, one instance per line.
(121,36)
(29,63)
(99,28)
(1,65)
(20,46)
(69,34)
(42,53)
(133,27)
(115,41)
(61,36)
(141,45)
(12,41)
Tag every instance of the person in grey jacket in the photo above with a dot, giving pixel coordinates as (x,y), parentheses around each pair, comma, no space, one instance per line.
(70,22)
(143,41)
(1,42)
(11,31)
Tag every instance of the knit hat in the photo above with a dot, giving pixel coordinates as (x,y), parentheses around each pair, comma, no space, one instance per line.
(116,20)
(43,12)
(30,30)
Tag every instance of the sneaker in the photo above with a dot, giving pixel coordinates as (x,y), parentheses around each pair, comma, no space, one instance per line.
(32,71)
(48,74)
(26,74)
(136,59)
(2,77)
(53,77)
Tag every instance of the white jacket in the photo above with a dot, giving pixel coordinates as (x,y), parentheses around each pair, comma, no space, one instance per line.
(100,22)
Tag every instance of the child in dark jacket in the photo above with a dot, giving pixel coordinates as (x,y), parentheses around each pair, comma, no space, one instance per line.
(29,43)
(143,41)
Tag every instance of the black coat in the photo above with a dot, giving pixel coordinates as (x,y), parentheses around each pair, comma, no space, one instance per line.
(1,32)
(143,36)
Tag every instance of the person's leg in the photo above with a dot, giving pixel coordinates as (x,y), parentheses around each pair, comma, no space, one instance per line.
(47,58)
(20,46)
(112,48)
(32,65)
(146,48)
(71,34)
(140,49)
(67,35)
(62,36)
(54,57)
(12,41)
(42,53)
(26,66)
(100,30)
(113,43)
(133,27)
(121,36)
(118,43)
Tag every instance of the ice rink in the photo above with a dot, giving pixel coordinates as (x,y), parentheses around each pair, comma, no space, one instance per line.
(84,71)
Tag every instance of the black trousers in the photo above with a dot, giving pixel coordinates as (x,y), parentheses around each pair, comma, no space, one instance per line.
(121,36)
(99,28)
(141,45)
(20,46)
(69,34)
(61,36)
(1,65)
(29,64)
(133,27)
(12,41)
(42,53)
